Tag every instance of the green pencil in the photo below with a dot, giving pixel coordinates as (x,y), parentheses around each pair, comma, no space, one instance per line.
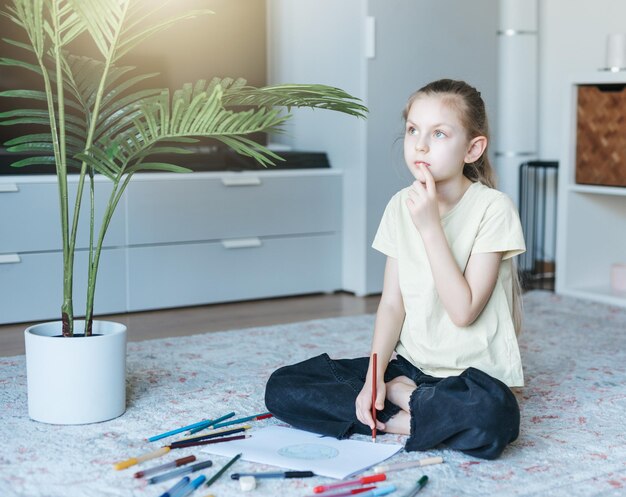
(418,486)
(222,470)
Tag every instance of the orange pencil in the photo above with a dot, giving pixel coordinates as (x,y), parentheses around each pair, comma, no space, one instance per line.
(374,367)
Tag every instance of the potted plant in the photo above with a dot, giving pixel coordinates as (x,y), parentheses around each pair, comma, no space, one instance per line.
(96,122)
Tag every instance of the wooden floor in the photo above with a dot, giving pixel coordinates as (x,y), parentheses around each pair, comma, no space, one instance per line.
(194,320)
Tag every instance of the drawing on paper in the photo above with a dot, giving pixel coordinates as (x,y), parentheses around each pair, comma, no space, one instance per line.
(308,451)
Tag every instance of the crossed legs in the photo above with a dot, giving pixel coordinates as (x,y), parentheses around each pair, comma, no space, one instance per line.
(399,391)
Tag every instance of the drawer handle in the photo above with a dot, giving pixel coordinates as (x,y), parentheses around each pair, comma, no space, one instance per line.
(8,187)
(241,181)
(242,243)
(9,258)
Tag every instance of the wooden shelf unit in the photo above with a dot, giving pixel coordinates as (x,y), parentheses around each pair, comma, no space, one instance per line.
(591,229)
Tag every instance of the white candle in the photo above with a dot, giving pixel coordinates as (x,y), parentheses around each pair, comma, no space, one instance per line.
(616,51)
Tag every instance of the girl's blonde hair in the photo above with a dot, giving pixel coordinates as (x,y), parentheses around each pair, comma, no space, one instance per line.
(471,110)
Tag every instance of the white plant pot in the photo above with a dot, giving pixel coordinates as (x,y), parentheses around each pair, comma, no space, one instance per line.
(76,380)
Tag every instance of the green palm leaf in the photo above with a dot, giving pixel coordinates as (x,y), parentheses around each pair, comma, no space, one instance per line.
(101,163)
(4,61)
(120,116)
(103,19)
(193,112)
(75,125)
(29,15)
(77,144)
(313,96)
(70,24)
(37,95)
(157,166)
(34,161)
(39,160)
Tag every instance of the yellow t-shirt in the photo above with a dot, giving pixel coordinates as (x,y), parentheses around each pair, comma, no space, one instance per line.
(484,220)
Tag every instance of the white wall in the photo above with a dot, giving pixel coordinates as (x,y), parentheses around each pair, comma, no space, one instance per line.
(321,41)
(572,40)
(418,42)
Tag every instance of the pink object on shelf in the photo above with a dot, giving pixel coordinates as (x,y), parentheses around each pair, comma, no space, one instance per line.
(618,278)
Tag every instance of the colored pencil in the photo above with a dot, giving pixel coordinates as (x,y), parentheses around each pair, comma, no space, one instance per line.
(351,483)
(191,487)
(275,474)
(214,478)
(209,423)
(374,367)
(213,441)
(418,486)
(157,469)
(256,417)
(181,484)
(180,471)
(210,436)
(185,428)
(409,464)
(136,460)
(347,493)
(378,491)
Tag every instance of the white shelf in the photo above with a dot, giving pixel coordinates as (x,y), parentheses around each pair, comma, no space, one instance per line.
(591,228)
(598,190)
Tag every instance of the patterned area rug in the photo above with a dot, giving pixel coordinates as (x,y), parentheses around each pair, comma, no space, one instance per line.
(572,442)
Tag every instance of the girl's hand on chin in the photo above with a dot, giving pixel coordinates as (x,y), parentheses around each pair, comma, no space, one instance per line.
(422,201)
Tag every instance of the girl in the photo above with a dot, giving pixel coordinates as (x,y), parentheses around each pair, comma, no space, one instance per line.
(450,301)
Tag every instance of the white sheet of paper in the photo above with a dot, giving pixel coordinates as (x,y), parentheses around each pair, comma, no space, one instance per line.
(301,450)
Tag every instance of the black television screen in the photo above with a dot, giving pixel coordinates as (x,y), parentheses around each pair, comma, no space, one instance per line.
(229,43)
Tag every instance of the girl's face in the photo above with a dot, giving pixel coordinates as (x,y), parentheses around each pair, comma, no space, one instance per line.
(435,137)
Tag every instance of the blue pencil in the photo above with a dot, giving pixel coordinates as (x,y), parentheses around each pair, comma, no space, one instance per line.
(181,484)
(208,423)
(191,486)
(188,427)
(263,415)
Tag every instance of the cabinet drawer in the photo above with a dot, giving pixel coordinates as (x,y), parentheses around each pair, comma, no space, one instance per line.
(232,206)
(30,217)
(200,273)
(32,289)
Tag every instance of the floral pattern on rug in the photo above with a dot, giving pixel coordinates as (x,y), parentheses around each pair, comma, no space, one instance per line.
(572,442)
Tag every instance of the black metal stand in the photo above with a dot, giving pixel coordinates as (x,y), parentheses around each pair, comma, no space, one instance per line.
(538,182)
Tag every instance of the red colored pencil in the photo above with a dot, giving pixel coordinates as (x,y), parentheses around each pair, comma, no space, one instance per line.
(374,367)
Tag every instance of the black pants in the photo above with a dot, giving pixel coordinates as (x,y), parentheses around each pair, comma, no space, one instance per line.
(473,412)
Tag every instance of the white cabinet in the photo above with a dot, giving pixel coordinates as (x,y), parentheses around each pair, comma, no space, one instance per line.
(31,260)
(591,232)
(222,237)
(32,286)
(176,240)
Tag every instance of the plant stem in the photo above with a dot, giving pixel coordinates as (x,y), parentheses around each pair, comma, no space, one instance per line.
(114,198)
(90,263)
(93,258)
(67,308)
